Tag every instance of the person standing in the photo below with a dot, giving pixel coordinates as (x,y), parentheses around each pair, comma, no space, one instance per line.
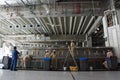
(72,48)
(14,59)
(109,54)
(107,62)
(26,58)
(54,60)
(47,54)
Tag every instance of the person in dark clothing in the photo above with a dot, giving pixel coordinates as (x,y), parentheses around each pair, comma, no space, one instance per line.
(14,59)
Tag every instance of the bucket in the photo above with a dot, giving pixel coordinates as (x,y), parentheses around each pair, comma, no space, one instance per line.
(64,68)
(73,68)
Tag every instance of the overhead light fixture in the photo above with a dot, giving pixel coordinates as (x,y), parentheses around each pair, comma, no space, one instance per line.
(17,26)
(10,26)
(38,25)
(24,26)
(98,28)
(53,25)
(95,31)
(48,12)
(31,25)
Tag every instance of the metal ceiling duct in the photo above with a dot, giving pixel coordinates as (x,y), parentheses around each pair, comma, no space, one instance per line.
(55,17)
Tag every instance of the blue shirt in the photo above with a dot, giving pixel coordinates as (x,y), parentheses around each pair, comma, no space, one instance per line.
(15,54)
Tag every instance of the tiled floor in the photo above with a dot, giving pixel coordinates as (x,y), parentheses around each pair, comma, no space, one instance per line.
(58,75)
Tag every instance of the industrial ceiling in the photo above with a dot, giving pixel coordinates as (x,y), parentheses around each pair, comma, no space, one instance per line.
(25,21)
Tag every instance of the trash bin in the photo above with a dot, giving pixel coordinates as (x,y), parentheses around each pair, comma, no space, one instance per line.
(112,62)
(46,64)
(7,62)
(83,64)
(108,62)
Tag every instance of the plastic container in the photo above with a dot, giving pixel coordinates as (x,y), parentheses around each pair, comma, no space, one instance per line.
(83,59)
(83,63)
(46,59)
(64,68)
(73,68)
(46,63)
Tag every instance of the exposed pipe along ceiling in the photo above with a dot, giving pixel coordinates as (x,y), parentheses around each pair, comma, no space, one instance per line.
(38,21)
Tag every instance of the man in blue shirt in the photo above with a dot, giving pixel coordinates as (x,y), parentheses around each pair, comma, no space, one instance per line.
(14,59)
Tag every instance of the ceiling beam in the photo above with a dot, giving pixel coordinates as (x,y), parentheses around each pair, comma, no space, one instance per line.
(95,25)
(33,13)
(25,23)
(73,30)
(37,29)
(28,15)
(65,24)
(26,29)
(53,18)
(3,23)
(83,24)
(43,25)
(20,22)
(9,22)
(88,24)
(60,25)
(34,28)
(30,22)
(48,29)
(81,20)
(68,37)
(36,17)
(19,30)
(70,29)
(19,17)
(15,22)
(52,26)
(20,35)
(5,30)
(9,39)
(24,20)
(12,40)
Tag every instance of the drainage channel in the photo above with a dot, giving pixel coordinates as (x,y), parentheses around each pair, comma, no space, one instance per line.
(72,76)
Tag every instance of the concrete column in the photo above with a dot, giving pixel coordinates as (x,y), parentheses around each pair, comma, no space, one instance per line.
(89,41)
(112,34)
(1,43)
(112,4)
(83,44)
(86,41)
(105,28)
